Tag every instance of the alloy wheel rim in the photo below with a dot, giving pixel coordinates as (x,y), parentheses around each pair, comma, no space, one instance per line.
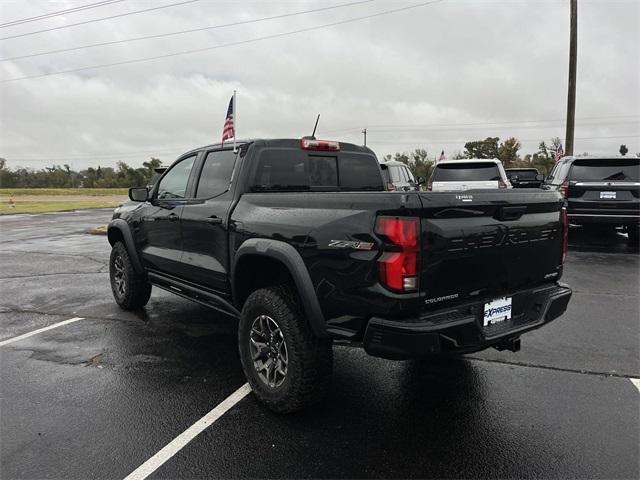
(268,350)
(118,275)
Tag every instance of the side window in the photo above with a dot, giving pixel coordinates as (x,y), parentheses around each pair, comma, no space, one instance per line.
(563,171)
(174,183)
(216,174)
(395,174)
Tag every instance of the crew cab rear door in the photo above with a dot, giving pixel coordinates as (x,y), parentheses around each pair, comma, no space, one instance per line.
(483,244)
(205,257)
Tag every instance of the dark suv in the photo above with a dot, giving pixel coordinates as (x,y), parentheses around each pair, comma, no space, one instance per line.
(600,191)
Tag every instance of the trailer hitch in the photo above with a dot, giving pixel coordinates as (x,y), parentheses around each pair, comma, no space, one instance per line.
(511,344)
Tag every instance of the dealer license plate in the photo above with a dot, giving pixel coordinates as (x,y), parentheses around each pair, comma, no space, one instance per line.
(497,311)
(607,195)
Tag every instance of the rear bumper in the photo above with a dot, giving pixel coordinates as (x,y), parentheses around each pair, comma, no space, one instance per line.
(460,329)
(616,218)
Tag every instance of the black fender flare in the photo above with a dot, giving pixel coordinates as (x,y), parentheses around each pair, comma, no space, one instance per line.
(292,260)
(123,227)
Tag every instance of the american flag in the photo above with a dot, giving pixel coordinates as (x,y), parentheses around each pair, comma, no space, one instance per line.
(228,131)
(559,153)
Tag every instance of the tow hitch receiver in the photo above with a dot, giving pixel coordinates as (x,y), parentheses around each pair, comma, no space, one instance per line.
(511,344)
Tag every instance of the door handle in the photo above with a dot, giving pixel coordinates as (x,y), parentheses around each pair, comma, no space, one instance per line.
(173,217)
(213,220)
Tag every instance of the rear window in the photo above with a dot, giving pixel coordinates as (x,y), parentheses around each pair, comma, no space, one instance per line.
(466,172)
(296,170)
(359,172)
(408,174)
(608,170)
(523,174)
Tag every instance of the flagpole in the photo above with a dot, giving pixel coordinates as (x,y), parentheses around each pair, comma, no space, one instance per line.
(235,121)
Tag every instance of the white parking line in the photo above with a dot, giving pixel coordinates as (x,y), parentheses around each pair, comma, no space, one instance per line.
(40,330)
(636,382)
(178,443)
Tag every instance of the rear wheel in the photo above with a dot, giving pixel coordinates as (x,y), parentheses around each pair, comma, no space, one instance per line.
(131,290)
(287,367)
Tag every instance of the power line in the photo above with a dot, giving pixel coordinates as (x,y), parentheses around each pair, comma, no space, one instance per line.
(59,12)
(224,45)
(99,19)
(555,125)
(508,122)
(451,142)
(181,32)
(177,151)
(180,149)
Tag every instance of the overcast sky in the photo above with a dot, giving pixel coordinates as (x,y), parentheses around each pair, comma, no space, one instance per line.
(431,77)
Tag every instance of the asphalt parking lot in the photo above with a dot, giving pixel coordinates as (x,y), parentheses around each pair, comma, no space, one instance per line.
(100,396)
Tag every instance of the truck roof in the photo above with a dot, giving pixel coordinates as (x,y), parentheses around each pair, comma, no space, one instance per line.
(495,161)
(597,157)
(392,163)
(280,142)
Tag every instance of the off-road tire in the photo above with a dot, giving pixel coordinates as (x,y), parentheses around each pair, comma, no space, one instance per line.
(310,359)
(137,289)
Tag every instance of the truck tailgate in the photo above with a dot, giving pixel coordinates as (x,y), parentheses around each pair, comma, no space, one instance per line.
(485,244)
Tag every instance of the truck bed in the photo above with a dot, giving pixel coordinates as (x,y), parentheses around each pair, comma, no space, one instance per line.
(480,244)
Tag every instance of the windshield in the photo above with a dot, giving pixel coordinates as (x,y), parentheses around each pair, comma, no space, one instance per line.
(466,172)
(606,170)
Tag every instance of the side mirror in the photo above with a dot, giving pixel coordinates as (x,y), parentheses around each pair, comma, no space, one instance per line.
(139,194)
(540,177)
(420,180)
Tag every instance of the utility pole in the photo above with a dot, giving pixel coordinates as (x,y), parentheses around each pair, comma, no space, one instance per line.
(571,95)
(364,132)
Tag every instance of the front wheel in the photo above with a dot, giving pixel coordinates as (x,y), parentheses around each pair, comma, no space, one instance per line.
(131,290)
(288,368)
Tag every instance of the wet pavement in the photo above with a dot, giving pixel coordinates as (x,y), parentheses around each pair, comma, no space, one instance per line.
(98,397)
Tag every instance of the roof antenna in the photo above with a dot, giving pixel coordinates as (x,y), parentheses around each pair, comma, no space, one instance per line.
(313,135)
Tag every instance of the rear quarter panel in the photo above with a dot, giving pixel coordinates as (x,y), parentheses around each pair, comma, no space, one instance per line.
(345,278)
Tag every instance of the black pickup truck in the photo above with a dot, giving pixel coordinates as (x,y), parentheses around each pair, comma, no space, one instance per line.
(301,242)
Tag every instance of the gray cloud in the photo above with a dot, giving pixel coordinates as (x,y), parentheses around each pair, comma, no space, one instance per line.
(455,62)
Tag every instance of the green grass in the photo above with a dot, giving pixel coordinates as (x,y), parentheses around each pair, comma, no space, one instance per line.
(39,207)
(92,192)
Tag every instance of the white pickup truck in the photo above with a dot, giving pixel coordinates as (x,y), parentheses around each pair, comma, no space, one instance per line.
(457,175)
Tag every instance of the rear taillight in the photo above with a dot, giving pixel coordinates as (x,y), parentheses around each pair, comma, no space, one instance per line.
(564,189)
(391,187)
(429,185)
(398,267)
(564,219)
(322,145)
(501,184)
